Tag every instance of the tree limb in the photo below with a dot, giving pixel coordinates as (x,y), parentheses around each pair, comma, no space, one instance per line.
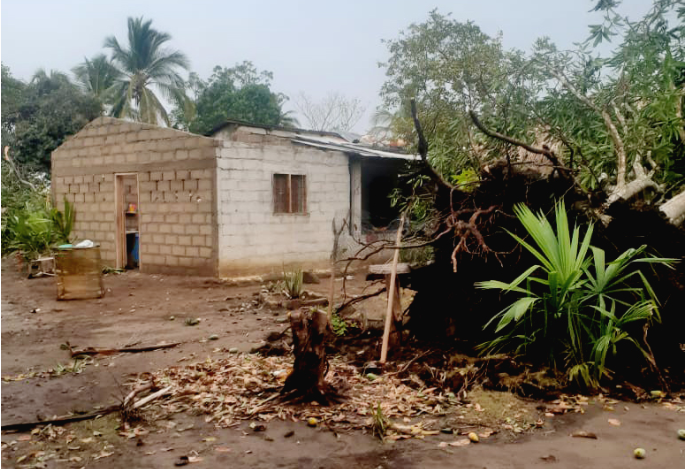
(491,133)
(423,149)
(611,127)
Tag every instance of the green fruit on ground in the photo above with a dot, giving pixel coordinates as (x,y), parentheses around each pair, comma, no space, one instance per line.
(681,433)
(639,453)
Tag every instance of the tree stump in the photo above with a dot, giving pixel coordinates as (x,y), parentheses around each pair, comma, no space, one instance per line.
(306,382)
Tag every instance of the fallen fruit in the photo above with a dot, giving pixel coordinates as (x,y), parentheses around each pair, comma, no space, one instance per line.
(474,437)
(639,453)
(312,422)
(681,433)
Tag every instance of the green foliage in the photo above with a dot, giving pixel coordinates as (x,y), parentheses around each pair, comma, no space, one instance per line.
(12,96)
(339,325)
(31,226)
(293,282)
(577,305)
(379,423)
(550,96)
(145,66)
(41,115)
(97,77)
(238,93)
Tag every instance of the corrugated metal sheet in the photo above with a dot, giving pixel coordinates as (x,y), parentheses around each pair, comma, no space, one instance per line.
(350,148)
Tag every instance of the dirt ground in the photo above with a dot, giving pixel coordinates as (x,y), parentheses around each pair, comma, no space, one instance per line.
(138,309)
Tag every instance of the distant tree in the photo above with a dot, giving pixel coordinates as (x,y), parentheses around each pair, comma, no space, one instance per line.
(51,109)
(12,95)
(240,93)
(97,77)
(334,112)
(145,65)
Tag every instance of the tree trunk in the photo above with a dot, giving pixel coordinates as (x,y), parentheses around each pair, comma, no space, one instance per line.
(674,209)
(306,382)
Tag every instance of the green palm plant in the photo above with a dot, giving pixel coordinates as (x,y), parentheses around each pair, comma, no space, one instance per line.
(577,306)
(145,65)
(97,77)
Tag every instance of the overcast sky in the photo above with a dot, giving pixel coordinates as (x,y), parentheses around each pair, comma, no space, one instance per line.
(313,46)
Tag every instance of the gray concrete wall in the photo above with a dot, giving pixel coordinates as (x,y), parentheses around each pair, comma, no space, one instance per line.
(254,239)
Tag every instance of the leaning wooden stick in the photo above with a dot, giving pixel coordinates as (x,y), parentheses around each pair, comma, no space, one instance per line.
(391,293)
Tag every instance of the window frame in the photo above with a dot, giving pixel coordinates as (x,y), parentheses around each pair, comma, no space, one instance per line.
(289,194)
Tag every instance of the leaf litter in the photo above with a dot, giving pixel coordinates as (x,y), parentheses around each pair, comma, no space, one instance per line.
(245,387)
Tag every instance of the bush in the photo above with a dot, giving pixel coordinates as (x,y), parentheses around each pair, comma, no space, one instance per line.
(293,281)
(31,225)
(579,306)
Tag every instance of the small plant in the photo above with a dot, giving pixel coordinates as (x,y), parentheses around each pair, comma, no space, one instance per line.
(379,423)
(339,325)
(293,283)
(77,367)
(577,306)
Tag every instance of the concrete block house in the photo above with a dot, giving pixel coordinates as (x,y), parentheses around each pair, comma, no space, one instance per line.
(243,200)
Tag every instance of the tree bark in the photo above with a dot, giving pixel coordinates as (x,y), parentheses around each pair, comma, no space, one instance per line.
(306,382)
(674,209)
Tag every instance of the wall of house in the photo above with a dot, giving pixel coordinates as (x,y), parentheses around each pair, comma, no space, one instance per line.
(252,238)
(176,178)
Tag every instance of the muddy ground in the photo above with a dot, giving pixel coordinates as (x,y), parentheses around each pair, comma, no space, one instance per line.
(138,308)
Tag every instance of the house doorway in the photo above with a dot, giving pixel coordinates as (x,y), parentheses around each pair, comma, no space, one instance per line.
(128,221)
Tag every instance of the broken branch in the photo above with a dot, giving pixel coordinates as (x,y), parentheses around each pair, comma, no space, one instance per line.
(111,351)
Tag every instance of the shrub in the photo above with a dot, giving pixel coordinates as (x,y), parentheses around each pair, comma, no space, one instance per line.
(294,282)
(577,306)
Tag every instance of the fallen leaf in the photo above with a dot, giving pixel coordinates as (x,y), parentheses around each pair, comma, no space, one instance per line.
(103,454)
(35,431)
(209,438)
(464,442)
(96,433)
(21,458)
(75,459)
(584,434)
(222,449)
(549,458)
(73,448)
(614,422)
(194,459)
(167,449)
(87,440)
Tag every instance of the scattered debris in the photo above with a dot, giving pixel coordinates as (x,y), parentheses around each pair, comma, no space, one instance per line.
(614,422)
(584,434)
(111,351)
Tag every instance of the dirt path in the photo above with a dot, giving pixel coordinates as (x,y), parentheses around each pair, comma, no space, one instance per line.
(138,308)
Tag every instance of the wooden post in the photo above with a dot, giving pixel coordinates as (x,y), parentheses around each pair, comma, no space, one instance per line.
(389,315)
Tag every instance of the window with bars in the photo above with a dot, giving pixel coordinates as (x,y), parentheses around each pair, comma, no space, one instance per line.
(290,193)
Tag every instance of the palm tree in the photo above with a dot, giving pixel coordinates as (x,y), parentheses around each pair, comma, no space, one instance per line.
(97,77)
(145,65)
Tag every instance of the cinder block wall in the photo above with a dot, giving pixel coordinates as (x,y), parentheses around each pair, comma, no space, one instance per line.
(176,175)
(252,238)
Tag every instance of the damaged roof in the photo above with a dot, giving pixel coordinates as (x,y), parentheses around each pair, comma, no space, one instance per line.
(338,141)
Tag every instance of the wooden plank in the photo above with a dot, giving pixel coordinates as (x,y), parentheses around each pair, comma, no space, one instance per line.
(391,293)
(386,269)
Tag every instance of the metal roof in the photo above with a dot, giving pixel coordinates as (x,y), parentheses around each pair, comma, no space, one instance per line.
(351,148)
